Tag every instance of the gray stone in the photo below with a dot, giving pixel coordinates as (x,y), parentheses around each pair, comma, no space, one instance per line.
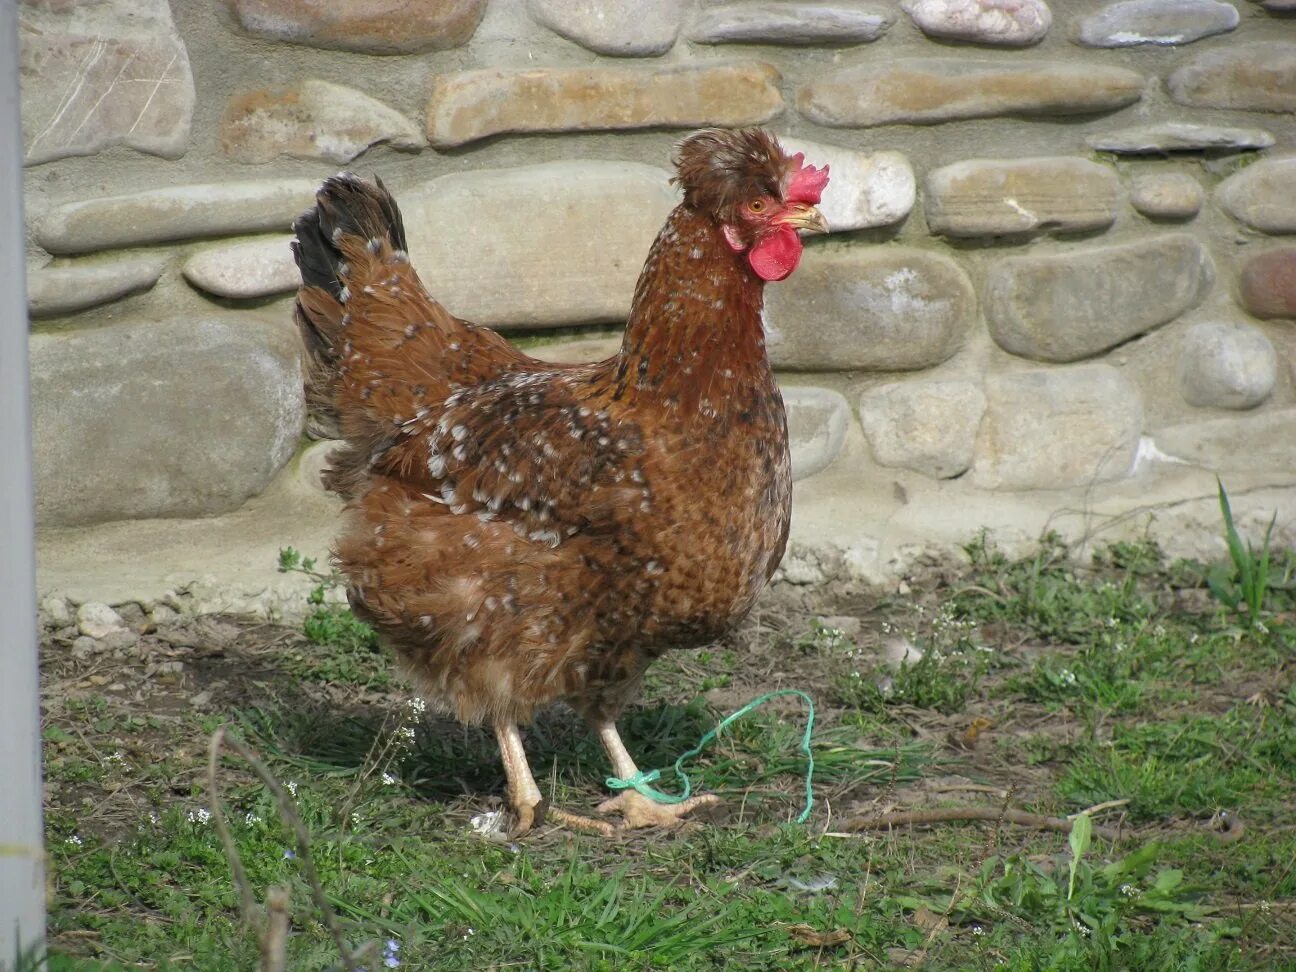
(1261,195)
(817,422)
(1077,302)
(314,120)
(472,105)
(989,197)
(1017,24)
(57,611)
(179,213)
(97,73)
(1260,442)
(929,90)
(625,28)
(97,620)
(866,188)
(1129,23)
(790,23)
(1259,76)
(84,648)
(251,268)
(1057,428)
(53,291)
(1167,195)
(1227,365)
(869,308)
(550,244)
(184,417)
(367,26)
(927,426)
(1178,137)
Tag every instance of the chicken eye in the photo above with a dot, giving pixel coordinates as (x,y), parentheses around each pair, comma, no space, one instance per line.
(756,206)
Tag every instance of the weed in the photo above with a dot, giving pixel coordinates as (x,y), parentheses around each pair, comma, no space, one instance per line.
(350,644)
(1241,586)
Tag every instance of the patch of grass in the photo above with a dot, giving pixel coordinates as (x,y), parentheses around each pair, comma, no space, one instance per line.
(1243,587)
(349,651)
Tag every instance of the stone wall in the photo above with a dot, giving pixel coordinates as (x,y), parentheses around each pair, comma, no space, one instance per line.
(1059,290)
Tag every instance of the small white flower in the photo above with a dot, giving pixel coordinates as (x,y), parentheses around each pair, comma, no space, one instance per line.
(389,779)
(292,788)
(1129,890)
(252,818)
(416,705)
(201,815)
(74,840)
(117,758)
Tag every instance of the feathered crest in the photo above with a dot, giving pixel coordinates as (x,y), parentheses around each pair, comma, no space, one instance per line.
(719,169)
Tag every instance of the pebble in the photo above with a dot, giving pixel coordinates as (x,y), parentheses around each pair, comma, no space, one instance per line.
(1267,283)
(869,308)
(1261,195)
(313,120)
(817,421)
(1178,137)
(790,22)
(55,291)
(619,28)
(1077,301)
(927,426)
(990,197)
(98,73)
(1227,365)
(473,105)
(1167,195)
(1057,428)
(97,620)
(927,90)
(1257,76)
(1130,23)
(1017,24)
(85,647)
(57,611)
(365,26)
(867,188)
(252,268)
(175,213)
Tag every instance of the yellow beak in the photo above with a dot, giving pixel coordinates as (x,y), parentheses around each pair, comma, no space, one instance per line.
(803,216)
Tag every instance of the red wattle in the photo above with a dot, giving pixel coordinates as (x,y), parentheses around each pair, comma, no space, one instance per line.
(776,256)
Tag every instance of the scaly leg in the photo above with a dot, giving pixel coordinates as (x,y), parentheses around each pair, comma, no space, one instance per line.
(525,797)
(636,809)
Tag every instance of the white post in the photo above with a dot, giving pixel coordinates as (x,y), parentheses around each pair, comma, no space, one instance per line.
(22,867)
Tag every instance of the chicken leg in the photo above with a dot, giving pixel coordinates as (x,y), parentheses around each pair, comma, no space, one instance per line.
(636,809)
(524,795)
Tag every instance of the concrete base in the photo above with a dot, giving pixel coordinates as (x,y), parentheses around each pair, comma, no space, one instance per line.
(855,521)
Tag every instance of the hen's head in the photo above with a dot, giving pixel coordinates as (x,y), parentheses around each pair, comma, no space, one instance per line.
(757,194)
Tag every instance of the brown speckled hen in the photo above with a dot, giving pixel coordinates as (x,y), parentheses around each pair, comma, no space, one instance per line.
(524,532)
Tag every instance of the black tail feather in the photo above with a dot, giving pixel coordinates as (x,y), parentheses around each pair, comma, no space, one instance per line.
(345,205)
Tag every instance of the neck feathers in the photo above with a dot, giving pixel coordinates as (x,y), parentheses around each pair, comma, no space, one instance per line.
(694,334)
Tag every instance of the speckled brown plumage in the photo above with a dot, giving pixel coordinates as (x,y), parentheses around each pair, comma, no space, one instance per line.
(523,532)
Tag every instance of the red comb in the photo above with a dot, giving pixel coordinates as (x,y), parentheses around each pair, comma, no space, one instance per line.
(807,183)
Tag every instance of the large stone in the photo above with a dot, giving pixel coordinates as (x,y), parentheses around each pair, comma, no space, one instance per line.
(97,73)
(928,90)
(1261,442)
(53,291)
(627,28)
(472,105)
(869,308)
(250,268)
(1078,302)
(1178,137)
(1167,195)
(1057,428)
(1261,195)
(1260,76)
(314,120)
(544,245)
(179,213)
(790,23)
(865,188)
(1017,24)
(1226,365)
(1267,283)
(989,197)
(184,417)
(1129,23)
(927,426)
(367,26)
(817,423)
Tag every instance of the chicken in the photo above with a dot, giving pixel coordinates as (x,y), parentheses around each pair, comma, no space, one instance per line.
(524,532)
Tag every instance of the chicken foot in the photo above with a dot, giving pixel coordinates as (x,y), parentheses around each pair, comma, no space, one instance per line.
(524,795)
(636,809)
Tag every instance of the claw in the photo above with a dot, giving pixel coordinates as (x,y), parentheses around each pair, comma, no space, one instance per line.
(638,810)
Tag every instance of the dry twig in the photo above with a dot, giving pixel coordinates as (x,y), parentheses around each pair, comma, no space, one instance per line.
(921,818)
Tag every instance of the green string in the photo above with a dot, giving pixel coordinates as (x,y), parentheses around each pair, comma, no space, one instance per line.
(642,782)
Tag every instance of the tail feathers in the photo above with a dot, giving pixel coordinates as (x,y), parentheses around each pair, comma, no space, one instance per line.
(345,206)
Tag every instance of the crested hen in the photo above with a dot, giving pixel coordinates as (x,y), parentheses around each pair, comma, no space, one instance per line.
(523,532)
